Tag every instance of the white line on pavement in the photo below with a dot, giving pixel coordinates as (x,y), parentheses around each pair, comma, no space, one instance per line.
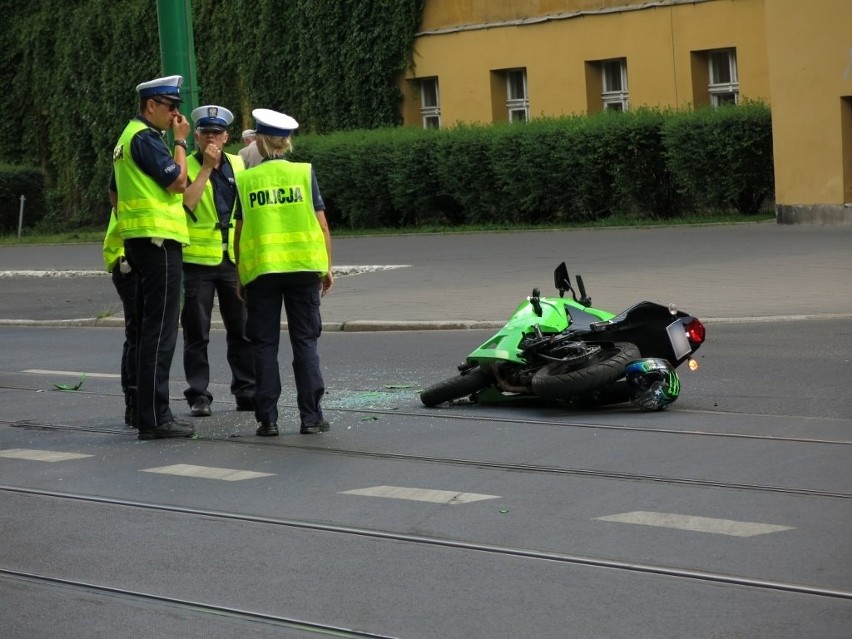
(695,524)
(39,371)
(419,494)
(40,455)
(336,270)
(206,472)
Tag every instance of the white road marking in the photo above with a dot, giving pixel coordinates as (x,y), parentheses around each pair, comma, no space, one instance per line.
(336,270)
(40,455)
(39,371)
(696,524)
(419,494)
(52,273)
(206,472)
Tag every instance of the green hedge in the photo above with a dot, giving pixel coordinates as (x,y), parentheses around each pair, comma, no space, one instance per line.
(644,163)
(722,158)
(16,181)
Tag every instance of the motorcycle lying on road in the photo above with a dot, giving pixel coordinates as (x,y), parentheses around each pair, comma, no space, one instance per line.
(562,349)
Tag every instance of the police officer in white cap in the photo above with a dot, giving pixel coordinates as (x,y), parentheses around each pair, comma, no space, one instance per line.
(283,253)
(147,193)
(208,264)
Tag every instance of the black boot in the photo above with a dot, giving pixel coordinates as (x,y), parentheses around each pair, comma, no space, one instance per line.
(267,429)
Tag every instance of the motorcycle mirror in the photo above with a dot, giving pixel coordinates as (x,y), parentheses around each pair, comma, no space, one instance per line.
(561,279)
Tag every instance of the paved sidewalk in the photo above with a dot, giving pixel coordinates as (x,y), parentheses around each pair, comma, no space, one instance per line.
(725,272)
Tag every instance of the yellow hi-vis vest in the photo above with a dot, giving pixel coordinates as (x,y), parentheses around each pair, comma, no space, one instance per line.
(205,236)
(113,244)
(145,209)
(280,231)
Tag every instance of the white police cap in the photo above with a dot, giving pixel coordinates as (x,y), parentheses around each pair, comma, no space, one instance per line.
(212,117)
(168,87)
(271,122)
(248,133)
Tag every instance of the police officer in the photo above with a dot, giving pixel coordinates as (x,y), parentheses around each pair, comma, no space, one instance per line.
(283,253)
(125,285)
(208,266)
(147,188)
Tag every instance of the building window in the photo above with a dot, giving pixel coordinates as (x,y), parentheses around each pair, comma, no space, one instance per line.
(614,82)
(517,99)
(722,67)
(430,103)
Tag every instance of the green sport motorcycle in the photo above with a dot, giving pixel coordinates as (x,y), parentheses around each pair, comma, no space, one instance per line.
(562,349)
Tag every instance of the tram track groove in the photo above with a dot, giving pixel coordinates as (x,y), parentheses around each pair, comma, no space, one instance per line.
(480,463)
(442,542)
(196,606)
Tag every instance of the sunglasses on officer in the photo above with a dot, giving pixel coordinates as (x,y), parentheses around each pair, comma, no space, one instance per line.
(172,106)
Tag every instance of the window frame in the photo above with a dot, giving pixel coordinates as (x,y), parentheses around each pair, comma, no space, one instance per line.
(517,106)
(430,114)
(614,99)
(720,91)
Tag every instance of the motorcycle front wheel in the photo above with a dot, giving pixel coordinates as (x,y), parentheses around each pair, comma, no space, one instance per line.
(456,387)
(554,383)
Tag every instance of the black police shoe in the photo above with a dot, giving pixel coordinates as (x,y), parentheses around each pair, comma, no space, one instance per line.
(167,430)
(200,409)
(267,429)
(321,426)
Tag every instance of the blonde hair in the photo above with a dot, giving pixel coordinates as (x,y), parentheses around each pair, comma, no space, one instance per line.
(273,146)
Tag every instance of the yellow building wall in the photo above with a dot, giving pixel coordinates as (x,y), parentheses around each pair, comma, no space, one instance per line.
(794,54)
(810,62)
(656,41)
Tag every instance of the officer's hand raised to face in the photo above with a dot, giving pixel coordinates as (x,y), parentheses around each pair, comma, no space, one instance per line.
(212,155)
(180,126)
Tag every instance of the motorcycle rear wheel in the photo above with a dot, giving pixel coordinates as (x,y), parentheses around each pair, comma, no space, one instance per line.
(456,387)
(553,384)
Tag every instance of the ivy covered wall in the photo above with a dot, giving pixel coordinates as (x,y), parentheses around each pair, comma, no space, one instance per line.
(69,70)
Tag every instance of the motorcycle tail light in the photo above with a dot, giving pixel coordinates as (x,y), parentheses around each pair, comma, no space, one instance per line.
(695,332)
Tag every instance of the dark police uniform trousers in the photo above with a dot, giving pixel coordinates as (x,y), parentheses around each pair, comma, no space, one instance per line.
(125,286)
(158,282)
(200,283)
(300,293)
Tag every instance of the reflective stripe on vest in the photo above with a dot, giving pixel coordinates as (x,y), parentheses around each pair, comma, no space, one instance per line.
(113,244)
(280,231)
(145,209)
(205,236)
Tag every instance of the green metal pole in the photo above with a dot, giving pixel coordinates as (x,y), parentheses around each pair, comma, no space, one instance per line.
(177,50)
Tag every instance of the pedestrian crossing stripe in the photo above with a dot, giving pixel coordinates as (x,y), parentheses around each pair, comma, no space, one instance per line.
(206,472)
(40,455)
(419,494)
(696,524)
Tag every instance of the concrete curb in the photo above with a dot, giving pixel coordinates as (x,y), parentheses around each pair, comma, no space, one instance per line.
(367,326)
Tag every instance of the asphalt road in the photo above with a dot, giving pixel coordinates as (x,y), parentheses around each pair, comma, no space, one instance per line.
(726,516)
(714,272)
(744,487)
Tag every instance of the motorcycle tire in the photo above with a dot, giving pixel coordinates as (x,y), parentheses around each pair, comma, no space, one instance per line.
(553,384)
(456,387)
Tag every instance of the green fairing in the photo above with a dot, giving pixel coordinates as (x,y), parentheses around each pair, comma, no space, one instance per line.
(504,345)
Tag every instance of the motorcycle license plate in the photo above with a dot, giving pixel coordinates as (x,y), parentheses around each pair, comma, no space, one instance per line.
(678,340)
